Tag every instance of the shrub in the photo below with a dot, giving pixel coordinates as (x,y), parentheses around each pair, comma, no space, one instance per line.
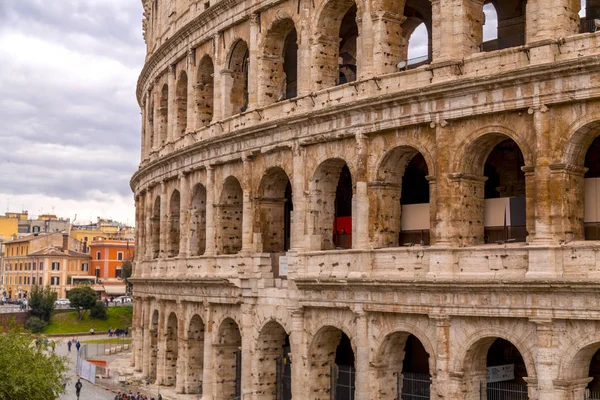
(98,311)
(35,324)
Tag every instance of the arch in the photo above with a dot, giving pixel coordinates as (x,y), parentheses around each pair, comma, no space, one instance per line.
(155,226)
(273,219)
(279,63)
(416,31)
(181,91)
(163,114)
(490,24)
(236,79)
(204,91)
(195,354)
(171,351)
(228,360)
(229,217)
(510,23)
(337,38)
(328,188)
(580,137)
(270,361)
(198,221)
(331,360)
(174,224)
(153,345)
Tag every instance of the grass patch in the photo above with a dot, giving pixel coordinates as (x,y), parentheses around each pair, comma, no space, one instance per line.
(110,340)
(67,322)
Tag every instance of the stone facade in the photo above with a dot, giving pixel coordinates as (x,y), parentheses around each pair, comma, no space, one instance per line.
(433,216)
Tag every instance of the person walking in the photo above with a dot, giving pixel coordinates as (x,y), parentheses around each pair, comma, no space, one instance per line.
(78,345)
(69,344)
(78,386)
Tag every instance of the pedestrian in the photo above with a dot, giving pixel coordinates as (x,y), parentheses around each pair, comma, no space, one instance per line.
(69,344)
(78,345)
(78,386)
(118,396)
(53,345)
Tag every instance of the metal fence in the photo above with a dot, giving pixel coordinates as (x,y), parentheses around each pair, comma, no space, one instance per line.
(90,350)
(343,379)
(504,391)
(592,395)
(414,386)
(284,378)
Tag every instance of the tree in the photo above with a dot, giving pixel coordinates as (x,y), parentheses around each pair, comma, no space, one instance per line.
(35,324)
(99,311)
(126,271)
(27,371)
(41,302)
(83,299)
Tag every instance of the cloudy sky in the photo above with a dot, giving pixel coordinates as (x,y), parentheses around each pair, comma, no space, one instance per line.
(69,120)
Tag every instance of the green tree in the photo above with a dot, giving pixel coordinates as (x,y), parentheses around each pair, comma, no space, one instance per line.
(82,298)
(126,271)
(35,324)
(41,302)
(99,311)
(27,371)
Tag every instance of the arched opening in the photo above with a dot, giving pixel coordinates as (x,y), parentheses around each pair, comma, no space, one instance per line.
(198,221)
(332,365)
(274,211)
(204,91)
(495,369)
(416,34)
(155,226)
(152,137)
(589,11)
(592,192)
(174,224)
(195,354)
(153,346)
(163,114)
(228,361)
(593,387)
(182,103)
(230,215)
(504,193)
(279,63)
(347,48)
(273,377)
(510,23)
(335,45)
(400,200)
(171,351)
(490,24)
(404,371)
(331,204)
(238,82)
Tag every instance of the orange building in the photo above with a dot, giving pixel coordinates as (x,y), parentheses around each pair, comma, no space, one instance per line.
(108,257)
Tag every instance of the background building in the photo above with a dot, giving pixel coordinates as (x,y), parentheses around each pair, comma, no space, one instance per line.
(320,214)
(102,229)
(108,257)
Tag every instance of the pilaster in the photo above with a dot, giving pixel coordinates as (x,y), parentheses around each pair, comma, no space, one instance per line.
(184,230)
(210,212)
(362,360)
(299,199)
(172,104)
(253,80)
(192,108)
(248,209)
(164,221)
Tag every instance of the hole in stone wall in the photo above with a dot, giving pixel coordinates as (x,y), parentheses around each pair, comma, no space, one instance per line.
(347,49)
(342,229)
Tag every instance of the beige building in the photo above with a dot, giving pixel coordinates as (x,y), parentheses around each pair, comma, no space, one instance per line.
(44,259)
(320,215)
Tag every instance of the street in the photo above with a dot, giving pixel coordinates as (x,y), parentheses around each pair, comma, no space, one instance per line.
(88,391)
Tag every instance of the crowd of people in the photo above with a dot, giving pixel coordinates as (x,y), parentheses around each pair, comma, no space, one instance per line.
(137,396)
(118,332)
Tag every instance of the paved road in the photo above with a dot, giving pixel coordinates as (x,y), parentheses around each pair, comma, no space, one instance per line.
(88,391)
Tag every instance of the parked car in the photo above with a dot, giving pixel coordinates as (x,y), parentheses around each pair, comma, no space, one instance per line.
(122,300)
(62,302)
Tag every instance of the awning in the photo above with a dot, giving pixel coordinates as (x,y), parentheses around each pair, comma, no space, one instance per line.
(114,290)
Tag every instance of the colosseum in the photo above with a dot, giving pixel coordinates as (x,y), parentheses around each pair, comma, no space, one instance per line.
(323,212)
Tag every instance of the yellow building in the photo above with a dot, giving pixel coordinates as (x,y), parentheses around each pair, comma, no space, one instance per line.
(9,225)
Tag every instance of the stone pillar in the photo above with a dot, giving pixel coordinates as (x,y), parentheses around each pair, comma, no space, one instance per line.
(172,105)
(567,196)
(226,83)
(298,230)
(139,317)
(147,340)
(161,357)
(192,109)
(360,198)
(149,215)
(208,371)
(248,209)
(247,330)
(363,381)
(304,54)
(182,353)
(551,19)
(387,40)
(545,354)
(444,385)
(253,61)
(184,216)
(144,124)
(299,350)
(210,212)
(217,79)
(364,43)
(164,221)
(156,140)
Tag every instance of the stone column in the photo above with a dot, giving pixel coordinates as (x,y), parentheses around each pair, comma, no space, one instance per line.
(387,40)
(253,61)
(298,230)
(226,83)
(172,105)
(147,340)
(164,220)
(156,142)
(444,385)
(568,201)
(247,330)
(208,371)
(364,43)
(299,350)
(248,209)
(161,356)
(184,216)
(360,199)
(551,19)
(191,98)
(210,212)
(182,347)
(149,215)
(138,333)
(217,78)
(363,381)
(304,54)
(145,132)
(545,354)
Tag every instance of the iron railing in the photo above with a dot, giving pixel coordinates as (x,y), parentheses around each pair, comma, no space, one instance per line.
(414,386)
(591,395)
(283,390)
(343,379)
(503,391)
(503,43)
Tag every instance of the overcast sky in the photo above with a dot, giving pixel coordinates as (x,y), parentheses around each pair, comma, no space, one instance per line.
(69,120)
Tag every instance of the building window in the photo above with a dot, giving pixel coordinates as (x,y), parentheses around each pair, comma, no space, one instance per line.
(118,273)
(36,229)
(85,267)
(54,280)
(85,239)
(34,265)
(55,266)
(120,256)
(97,255)
(97,272)
(20,280)
(33,281)
(41,265)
